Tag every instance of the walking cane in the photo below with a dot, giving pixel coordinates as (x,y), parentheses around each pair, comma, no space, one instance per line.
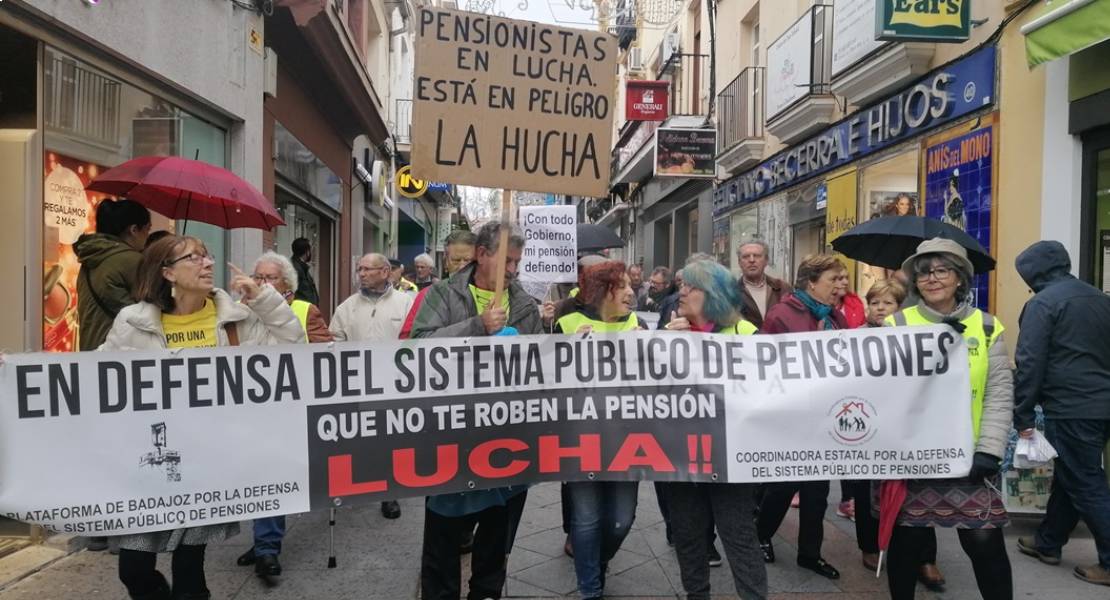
(331,536)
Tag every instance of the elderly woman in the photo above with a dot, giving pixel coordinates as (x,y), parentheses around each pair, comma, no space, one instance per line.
(600,513)
(941,274)
(810,308)
(709,301)
(276,270)
(179,307)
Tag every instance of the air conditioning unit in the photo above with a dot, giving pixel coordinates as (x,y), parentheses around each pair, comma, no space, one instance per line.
(635,59)
(670,46)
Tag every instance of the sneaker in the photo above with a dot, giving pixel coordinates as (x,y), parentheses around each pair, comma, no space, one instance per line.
(847,510)
(1027,546)
(714,556)
(796,501)
(1096,574)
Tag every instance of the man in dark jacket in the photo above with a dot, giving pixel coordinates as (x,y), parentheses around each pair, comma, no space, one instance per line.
(1063,364)
(306,285)
(759,290)
(464,306)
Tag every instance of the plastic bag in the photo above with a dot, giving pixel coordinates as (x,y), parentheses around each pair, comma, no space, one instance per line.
(1033,452)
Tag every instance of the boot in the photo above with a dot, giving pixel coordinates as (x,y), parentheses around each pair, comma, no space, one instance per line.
(162,592)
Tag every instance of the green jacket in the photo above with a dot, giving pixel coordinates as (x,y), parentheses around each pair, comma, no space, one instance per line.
(448,309)
(111,267)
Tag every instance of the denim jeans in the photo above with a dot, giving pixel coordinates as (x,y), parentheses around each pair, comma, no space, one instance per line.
(268,533)
(1079,488)
(694,507)
(601,516)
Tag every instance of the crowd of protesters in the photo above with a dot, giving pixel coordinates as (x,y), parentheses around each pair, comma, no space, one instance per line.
(144,290)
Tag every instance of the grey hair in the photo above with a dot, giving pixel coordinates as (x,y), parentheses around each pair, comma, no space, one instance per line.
(922,264)
(755,242)
(664,271)
(424,259)
(489,237)
(379,259)
(697,256)
(460,236)
(288,273)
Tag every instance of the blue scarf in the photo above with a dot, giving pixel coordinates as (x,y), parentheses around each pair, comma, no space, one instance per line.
(821,312)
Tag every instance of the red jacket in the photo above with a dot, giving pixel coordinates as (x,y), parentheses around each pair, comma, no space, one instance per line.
(853,310)
(791,316)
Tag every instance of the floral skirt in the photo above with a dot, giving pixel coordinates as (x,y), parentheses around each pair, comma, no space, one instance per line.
(961,503)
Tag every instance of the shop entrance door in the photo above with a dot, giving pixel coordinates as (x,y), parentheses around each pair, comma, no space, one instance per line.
(1095,260)
(808,238)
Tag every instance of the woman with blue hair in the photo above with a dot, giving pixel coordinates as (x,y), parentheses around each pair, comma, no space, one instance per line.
(709,301)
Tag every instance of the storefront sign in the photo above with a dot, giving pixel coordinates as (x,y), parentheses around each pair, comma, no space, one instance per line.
(409,186)
(683,152)
(923,20)
(354,423)
(550,244)
(512,104)
(790,66)
(945,94)
(853,33)
(646,100)
(959,185)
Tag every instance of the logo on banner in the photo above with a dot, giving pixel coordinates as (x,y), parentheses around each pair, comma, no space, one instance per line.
(853,420)
(168,461)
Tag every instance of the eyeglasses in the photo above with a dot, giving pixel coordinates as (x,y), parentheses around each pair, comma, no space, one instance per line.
(266,278)
(369,269)
(193,257)
(938,273)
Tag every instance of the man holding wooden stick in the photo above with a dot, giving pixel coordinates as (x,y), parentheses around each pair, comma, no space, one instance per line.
(481,299)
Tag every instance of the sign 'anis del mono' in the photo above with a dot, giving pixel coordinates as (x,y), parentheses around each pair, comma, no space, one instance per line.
(512,104)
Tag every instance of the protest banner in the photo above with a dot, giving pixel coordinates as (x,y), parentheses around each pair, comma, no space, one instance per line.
(550,247)
(502,103)
(115,442)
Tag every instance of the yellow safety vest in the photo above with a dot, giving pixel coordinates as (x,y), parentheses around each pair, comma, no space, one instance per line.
(300,308)
(742,327)
(573,293)
(571,322)
(980,332)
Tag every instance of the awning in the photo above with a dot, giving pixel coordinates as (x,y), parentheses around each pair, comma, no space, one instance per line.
(1066,27)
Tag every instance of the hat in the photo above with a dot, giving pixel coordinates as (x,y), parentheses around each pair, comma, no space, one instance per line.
(590,260)
(393,262)
(954,250)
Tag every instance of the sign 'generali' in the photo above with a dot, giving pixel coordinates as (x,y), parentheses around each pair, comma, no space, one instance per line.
(646,100)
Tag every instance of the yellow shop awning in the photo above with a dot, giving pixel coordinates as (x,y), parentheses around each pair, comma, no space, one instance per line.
(1066,27)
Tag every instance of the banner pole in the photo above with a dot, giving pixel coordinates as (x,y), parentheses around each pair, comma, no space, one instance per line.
(503,244)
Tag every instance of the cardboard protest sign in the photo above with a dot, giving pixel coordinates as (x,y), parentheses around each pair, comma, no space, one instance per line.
(511,104)
(208,436)
(550,244)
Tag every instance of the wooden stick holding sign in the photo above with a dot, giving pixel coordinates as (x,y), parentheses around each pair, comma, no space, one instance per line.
(503,245)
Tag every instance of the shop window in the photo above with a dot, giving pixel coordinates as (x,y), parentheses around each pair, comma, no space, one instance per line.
(888,187)
(94,121)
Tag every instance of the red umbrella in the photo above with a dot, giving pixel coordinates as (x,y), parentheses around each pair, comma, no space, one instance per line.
(892,493)
(192,190)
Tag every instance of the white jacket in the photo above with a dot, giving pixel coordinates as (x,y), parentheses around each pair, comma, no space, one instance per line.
(267,320)
(363,318)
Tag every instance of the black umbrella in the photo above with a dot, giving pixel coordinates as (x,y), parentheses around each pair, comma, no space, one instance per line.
(888,241)
(593,237)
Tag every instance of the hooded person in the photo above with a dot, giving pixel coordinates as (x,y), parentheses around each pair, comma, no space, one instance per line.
(1063,364)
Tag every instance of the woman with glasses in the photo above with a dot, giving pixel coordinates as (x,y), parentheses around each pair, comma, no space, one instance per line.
(278,272)
(941,274)
(180,307)
(709,301)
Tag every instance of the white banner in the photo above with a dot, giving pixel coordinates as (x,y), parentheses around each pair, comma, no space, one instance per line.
(790,66)
(110,442)
(551,244)
(853,33)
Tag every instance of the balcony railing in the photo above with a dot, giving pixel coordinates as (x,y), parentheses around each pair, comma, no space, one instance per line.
(80,102)
(813,79)
(740,108)
(689,76)
(625,22)
(402,121)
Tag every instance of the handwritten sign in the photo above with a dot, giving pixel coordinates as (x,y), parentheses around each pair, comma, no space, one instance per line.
(512,104)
